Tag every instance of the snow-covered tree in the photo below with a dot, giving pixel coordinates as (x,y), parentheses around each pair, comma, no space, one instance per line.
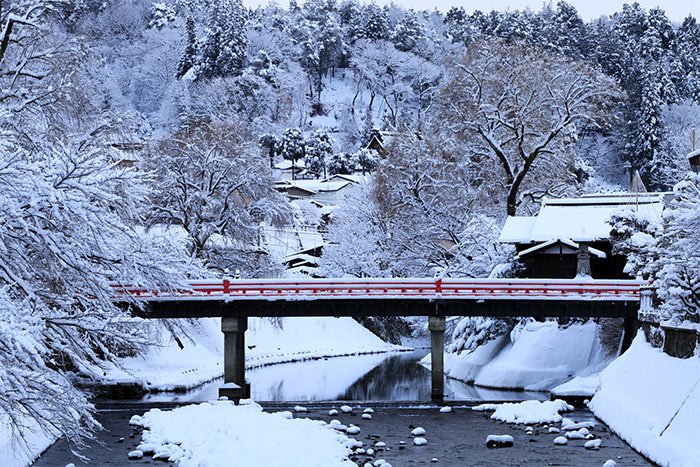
(520,105)
(211,184)
(319,148)
(293,144)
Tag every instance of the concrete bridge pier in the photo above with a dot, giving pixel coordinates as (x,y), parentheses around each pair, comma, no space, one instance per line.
(436,325)
(235,386)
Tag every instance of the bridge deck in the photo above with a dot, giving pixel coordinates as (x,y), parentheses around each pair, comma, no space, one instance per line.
(392,297)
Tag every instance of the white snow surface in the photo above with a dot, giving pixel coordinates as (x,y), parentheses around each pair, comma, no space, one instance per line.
(652,401)
(216,433)
(15,454)
(166,367)
(526,412)
(540,356)
(579,386)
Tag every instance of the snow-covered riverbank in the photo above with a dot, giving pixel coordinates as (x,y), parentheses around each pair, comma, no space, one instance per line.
(537,357)
(167,367)
(652,401)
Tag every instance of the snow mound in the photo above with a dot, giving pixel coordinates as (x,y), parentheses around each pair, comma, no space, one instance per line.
(420,441)
(446,409)
(560,440)
(579,386)
(652,401)
(213,433)
(419,431)
(527,412)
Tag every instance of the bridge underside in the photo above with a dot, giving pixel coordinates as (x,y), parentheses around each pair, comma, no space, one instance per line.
(393,307)
(235,316)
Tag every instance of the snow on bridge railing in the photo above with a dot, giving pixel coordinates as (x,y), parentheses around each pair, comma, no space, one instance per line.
(473,289)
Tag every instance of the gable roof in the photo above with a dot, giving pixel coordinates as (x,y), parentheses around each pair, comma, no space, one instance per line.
(566,242)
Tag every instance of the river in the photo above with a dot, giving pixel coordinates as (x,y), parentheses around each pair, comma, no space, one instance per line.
(395,376)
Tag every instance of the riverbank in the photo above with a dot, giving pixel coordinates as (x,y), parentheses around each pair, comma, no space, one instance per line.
(182,364)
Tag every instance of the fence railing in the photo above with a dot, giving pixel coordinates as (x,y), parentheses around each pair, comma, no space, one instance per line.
(313,289)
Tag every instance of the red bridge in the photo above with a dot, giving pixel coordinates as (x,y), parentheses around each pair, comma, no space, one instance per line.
(235,300)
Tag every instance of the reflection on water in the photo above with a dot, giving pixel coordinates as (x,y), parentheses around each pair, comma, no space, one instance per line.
(376,377)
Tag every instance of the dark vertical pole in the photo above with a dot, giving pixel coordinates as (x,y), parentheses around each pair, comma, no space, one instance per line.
(436,325)
(629,330)
(234,358)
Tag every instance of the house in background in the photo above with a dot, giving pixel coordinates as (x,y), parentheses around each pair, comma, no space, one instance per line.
(694,159)
(288,170)
(329,191)
(550,243)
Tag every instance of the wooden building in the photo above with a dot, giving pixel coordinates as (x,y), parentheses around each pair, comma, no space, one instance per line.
(549,243)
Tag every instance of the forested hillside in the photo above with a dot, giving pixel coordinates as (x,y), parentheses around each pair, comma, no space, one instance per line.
(137,139)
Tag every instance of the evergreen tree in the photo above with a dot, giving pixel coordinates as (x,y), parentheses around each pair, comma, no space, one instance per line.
(189,56)
(224,51)
(408,32)
(292,145)
(319,148)
(375,23)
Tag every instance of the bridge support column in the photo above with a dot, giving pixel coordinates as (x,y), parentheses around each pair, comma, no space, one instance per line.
(436,325)
(235,387)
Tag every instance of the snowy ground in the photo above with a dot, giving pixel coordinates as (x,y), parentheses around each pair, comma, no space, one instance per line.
(167,367)
(14,453)
(537,358)
(652,401)
(217,433)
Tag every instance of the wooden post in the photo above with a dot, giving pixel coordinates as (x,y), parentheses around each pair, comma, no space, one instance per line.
(436,325)
(235,387)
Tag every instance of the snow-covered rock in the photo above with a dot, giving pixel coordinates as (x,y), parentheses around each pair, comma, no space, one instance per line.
(366,416)
(333,412)
(593,444)
(135,454)
(420,441)
(499,441)
(353,430)
(299,408)
(346,409)
(368,410)
(418,431)
(560,440)
(527,412)
(446,409)
(610,463)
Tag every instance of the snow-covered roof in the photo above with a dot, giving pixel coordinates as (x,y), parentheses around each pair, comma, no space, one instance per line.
(578,219)
(565,241)
(287,241)
(314,186)
(287,164)
(346,177)
(694,153)
(517,229)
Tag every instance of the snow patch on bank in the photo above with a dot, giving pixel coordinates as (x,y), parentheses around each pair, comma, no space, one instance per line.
(538,357)
(220,432)
(652,401)
(166,367)
(16,453)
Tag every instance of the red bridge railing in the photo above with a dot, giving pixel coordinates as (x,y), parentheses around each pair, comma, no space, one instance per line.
(470,289)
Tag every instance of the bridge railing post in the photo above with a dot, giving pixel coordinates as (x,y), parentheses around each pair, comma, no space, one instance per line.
(436,325)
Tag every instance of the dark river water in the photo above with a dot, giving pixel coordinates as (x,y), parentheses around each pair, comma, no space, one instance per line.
(396,376)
